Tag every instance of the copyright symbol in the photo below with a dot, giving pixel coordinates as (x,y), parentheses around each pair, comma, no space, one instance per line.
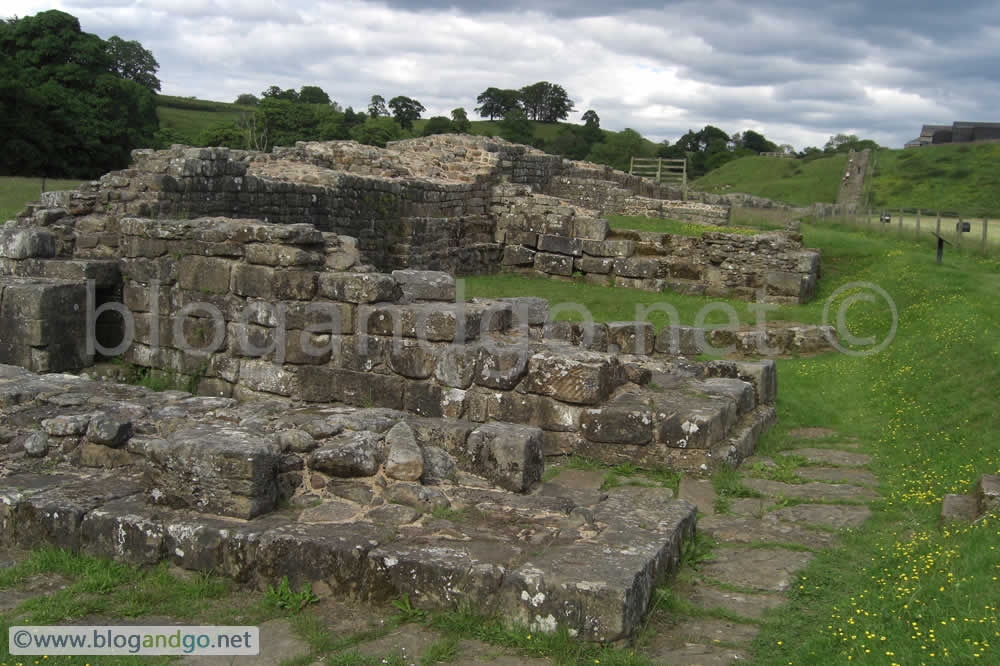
(22,638)
(858,291)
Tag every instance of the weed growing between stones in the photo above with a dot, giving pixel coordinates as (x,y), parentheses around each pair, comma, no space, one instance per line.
(285,598)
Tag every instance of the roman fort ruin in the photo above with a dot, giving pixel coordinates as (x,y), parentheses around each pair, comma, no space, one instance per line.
(346,398)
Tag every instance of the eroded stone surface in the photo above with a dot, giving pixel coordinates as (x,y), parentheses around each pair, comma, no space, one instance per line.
(838,475)
(828,515)
(832,456)
(763,569)
(818,491)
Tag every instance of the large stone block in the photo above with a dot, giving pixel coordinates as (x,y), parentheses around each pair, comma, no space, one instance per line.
(554,264)
(518,255)
(212,468)
(365,389)
(359,287)
(577,377)
(253,281)
(510,456)
(638,268)
(632,337)
(26,243)
(425,285)
(205,274)
(625,422)
(350,454)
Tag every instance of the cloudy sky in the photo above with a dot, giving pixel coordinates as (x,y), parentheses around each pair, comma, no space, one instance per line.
(796,70)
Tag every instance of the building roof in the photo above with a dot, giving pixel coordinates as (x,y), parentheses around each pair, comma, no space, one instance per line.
(965,123)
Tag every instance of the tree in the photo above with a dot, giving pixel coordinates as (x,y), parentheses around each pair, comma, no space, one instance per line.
(460,121)
(438,125)
(376,107)
(757,143)
(130,61)
(591,119)
(246,99)
(377,131)
(516,128)
(495,103)
(546,102)
(313,95)
(618,149)
(64,108)
(405,110)
(274,92)
(572,142)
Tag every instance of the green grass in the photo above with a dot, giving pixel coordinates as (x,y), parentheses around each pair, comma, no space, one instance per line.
(189,123)
(959,178)
(16,191)
(794,182)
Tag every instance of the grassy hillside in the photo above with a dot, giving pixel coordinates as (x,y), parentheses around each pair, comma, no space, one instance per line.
(959,178)
(792,181)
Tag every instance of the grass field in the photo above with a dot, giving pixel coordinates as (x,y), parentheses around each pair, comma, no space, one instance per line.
(905,226)
(676,227)
(792,181)
(16,191)
(960,178)
(189,123)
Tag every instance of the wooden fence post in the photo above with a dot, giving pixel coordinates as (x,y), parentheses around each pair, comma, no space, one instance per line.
(918,224)
(659,169)
(985,223)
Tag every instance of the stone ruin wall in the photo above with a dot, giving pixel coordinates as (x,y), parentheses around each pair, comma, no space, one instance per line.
(375,396)
(466,205)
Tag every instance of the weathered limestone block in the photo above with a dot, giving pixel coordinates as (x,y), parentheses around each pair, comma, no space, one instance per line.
(509,455)
(25,243)
(350,454)
(413,359)
(358,287)
(599,265)
(438,466)
(560,245)
(109,430)
(632,337)
(638,267)
(281,255)
(577,377)
(425,285)
(322,384)
(205,273)
(555,264)
(621,422)
(502,366)
(216,469)
(518,255)
(988,493)
(456,365)
(43,324)
(527,311)
(612,247)
(406,461)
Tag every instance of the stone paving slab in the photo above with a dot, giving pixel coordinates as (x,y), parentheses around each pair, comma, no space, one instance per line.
(695,654)
(762,569)
(838,475)
(830,492)
(278,643)
(709,597)
(828,515)
(699,492)
(831,456)
(745,530)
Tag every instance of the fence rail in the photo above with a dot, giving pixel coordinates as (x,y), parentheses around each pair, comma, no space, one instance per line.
(662,170)
(976,233)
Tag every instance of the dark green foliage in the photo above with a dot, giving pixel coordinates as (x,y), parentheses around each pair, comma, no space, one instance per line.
(575,142)
(496,103)
(274,92)
(63,109)
(246,99)
(438,125)
(546,102)
(516,128)
(460,121)
(130,61)
(618,149)
(286,122)
(194,104)
(377,132)
(313,95)
(405,110)
(376,107)
(757,143)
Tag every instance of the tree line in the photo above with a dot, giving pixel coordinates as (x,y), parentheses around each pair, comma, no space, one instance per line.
(74,105)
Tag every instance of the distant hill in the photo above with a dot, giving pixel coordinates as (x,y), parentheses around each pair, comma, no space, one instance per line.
(794,182)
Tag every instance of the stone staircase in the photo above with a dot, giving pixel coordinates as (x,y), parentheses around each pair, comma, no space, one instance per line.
(852,183)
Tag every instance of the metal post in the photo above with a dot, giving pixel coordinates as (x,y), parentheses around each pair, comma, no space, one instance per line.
(939,223)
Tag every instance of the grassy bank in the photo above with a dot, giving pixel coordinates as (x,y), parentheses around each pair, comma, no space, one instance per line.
(793,182)
(16,191)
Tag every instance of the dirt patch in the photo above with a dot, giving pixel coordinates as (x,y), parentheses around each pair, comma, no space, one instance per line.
(811,433)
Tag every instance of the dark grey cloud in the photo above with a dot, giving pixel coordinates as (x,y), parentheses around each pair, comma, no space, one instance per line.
(796,71)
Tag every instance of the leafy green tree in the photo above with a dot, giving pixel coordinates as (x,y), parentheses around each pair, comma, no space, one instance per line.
(438,125)
(496,102)
(405,110)
(64,109)
(313,95)
(274,92)
(130,61)
(460,121)
(376,107)
(246,99)
(571,142)
(590,118)
(351,118)
(377,131)
(618,149)
(757,143)
(516,128)
(546,102)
